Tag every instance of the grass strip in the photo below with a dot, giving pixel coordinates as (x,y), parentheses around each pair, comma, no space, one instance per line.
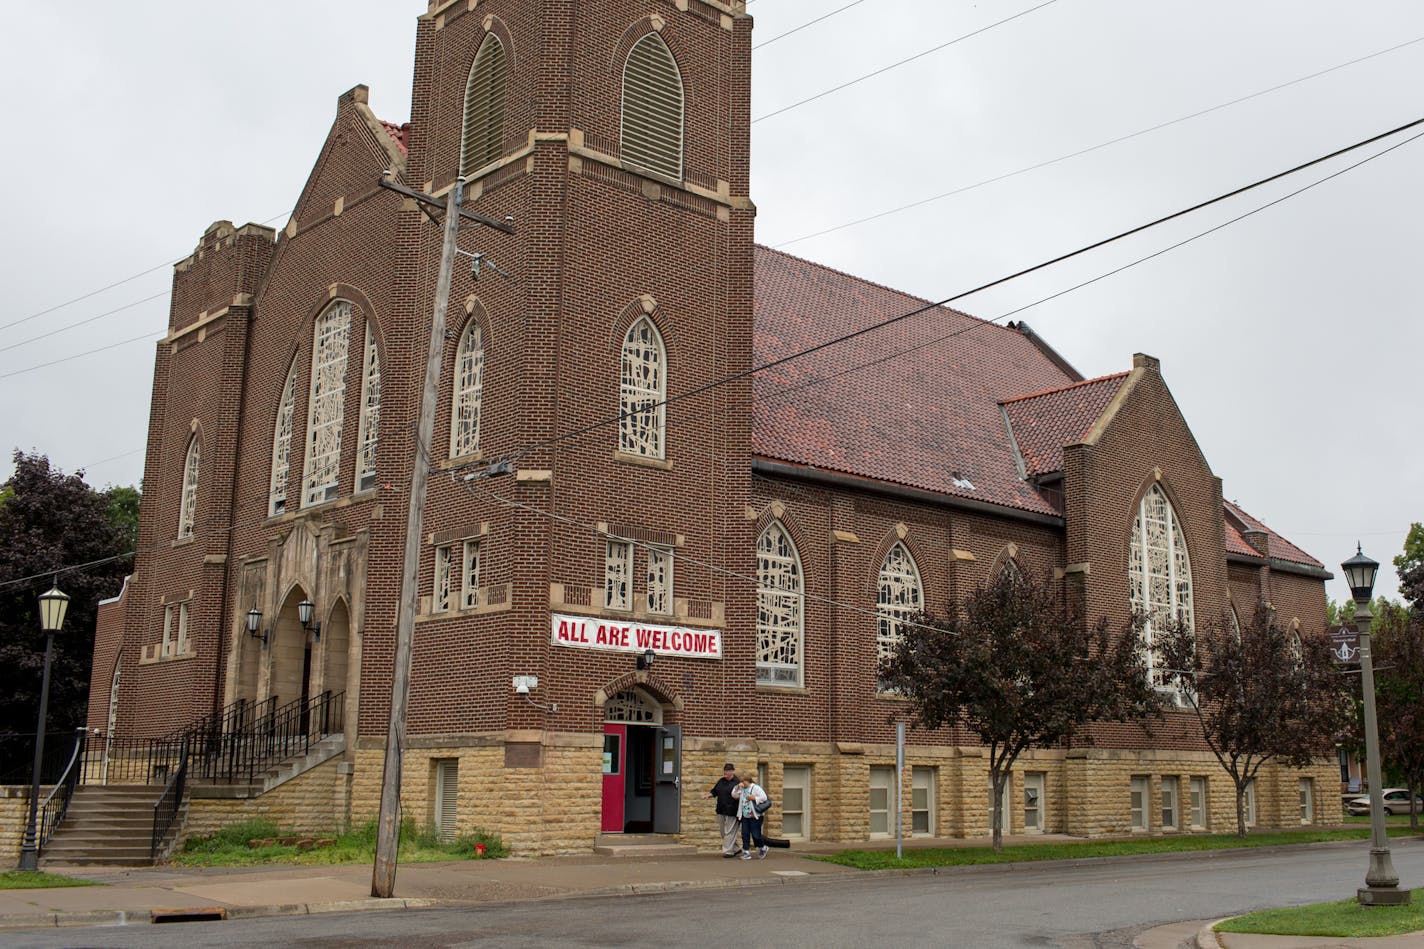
(1346,919)
(228,847)
(29,880)
(977,855)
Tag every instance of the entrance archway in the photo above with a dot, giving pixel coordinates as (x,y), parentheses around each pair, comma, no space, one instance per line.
(642,766)
(290,651)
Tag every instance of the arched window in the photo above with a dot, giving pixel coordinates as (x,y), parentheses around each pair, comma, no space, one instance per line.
(331,338)
(482,140)
(780,609)
(1159,576)
(632,705)
(468,394)
(188,508)
(642,413)
(370,422)
(901,598)
(652,108)
(282,443)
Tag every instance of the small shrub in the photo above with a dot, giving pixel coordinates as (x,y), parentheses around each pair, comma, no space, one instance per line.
(231,837)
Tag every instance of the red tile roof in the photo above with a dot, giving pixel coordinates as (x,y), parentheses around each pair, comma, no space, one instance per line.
(399,133)
(920,403)
(915,404)
(1045,422)
(1276,545)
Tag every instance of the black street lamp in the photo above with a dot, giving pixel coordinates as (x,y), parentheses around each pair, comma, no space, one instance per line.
(1381,882)
(53,606)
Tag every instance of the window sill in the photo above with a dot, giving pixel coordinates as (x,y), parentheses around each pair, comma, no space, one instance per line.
(642,461)
(149,656)
(182,541)
(495,599)
(782,689)
(457,461)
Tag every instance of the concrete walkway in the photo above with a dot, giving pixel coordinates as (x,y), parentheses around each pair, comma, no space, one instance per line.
(132,896)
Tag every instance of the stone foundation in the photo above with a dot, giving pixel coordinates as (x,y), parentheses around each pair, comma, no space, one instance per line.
(14,801)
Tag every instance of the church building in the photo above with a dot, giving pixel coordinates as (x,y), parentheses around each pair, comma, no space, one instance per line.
(641,558)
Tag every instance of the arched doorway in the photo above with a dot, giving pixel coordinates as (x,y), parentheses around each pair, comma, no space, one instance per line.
(290,654)
(642,766)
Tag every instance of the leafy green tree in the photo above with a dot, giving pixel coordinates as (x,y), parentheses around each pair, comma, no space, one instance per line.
(1019,669)
(48,521)
(1265,695)
(122,512)
(1398,646)
(1409,565)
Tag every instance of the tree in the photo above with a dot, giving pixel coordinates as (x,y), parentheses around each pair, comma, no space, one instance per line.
(50,520)
(1265,695)
(1019,669)
(1409,565)
(1398,646)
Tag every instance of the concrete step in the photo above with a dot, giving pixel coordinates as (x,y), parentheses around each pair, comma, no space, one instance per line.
(90,861)
(641,845)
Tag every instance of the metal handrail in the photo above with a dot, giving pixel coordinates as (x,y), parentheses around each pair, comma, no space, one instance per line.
(52,811)
(170,802)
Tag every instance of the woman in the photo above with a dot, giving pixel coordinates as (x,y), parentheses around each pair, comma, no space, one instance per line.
(749,794)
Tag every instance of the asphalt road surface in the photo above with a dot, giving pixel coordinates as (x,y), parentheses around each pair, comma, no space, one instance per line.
(1067,904)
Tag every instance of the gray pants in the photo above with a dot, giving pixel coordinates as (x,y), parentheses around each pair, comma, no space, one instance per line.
(729,826)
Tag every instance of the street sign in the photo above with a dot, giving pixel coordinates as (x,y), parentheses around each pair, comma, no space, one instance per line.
(1345,646)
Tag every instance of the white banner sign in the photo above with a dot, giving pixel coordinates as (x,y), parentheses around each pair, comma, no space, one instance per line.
(591,632)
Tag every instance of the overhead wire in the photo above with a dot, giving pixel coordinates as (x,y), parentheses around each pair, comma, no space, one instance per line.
(827,16)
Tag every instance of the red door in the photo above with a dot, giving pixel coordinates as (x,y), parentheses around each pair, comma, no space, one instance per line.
(615,755)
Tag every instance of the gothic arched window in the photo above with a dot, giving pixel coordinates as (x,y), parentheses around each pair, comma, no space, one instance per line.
(482,139)
(368,428)
(901,597)
(187,510)
(780,609)
(643,417)
(652,109)
(1159,577)
(468,394)
(282,444)
(331,340)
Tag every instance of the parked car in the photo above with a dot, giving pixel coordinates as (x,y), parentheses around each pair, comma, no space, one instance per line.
(1396,801)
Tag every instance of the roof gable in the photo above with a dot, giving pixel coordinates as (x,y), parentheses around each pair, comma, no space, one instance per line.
(1041,424)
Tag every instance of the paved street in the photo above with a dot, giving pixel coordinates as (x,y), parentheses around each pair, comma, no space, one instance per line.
(1100,903)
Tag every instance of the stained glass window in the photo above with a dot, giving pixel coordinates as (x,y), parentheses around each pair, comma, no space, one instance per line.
(330,343)
(1159,577)
(440,596)
(369,426)
(644,387)
(780,609)
(618,576)
(901,598)
(187,512)
(282,443)
(659,580)
(469,393)
(470,576)
(631,705)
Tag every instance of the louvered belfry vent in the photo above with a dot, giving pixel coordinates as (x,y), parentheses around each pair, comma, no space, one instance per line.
(652,109)
(483,138)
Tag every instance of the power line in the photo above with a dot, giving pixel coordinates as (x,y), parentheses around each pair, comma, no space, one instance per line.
(90,352)
(62,329)
(889,321)
(896,65)
(782,36)
(1092,148)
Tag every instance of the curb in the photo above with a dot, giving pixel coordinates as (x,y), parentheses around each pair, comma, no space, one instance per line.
(143,917)
(1206,936)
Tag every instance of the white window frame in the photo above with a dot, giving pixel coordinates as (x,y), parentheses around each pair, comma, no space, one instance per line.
(660,572)
(882,782)
(1159,579)
(188,506)
(900,597)
(618,575)
(368,427)
(1250,803)
(642,408)
(1199,802)
(924,788)
(440,593)
(326,405)
(795,804)
(470,575)
(1171,802)
(781,609)
(467,396)
(1140,792)
(282,444)
(1306,790)
(1035,790)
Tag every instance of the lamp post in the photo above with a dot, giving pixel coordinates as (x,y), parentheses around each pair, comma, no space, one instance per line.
(53,606)
(1381,882)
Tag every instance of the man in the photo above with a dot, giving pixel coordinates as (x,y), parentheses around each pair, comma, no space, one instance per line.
(727,821)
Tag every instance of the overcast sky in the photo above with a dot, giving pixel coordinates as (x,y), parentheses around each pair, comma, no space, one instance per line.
(1290,339)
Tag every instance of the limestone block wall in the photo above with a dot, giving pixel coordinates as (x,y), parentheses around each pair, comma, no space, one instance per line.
(13,803)
(313,803)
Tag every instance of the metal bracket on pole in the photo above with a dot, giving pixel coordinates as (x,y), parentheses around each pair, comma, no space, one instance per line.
(390,184)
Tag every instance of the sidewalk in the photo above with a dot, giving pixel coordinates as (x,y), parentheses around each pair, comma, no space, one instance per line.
(130,896)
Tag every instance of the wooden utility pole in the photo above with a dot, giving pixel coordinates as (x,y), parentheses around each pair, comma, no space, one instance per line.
(383,874)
